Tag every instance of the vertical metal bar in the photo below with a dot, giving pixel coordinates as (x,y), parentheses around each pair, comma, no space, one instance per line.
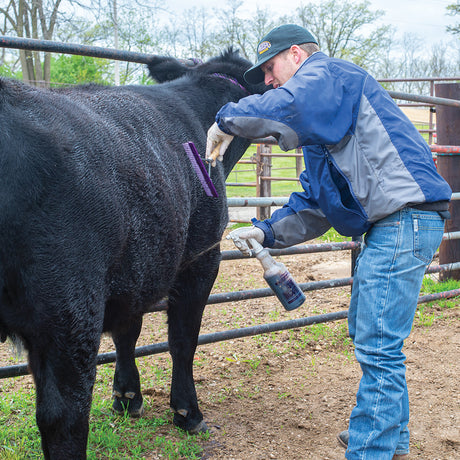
(355,253)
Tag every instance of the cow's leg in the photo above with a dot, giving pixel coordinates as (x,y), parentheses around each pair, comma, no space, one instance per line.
(185,310)
(126,385)
(64,369)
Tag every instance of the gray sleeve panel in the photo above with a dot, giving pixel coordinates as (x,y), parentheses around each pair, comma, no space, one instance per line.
(298,228)
(374,168)
(254,128)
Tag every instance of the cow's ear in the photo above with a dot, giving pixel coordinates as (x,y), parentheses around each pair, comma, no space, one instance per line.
(166,68)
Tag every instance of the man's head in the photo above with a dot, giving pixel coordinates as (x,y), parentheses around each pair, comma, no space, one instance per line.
(280,53)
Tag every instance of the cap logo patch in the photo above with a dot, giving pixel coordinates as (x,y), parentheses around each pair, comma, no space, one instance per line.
(264,46)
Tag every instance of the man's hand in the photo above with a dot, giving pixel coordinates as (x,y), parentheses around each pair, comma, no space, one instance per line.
(217,143)
(241,235)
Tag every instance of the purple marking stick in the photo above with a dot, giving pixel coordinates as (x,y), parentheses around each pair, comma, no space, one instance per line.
(200,169)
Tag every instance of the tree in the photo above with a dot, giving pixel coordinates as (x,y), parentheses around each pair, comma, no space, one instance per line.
(453,10)
(196,33)
(259,26)
(73,69)
(127,25)
(33,19)
(232,30)
(338,27)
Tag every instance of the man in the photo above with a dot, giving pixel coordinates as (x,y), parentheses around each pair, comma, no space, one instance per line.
(367,171)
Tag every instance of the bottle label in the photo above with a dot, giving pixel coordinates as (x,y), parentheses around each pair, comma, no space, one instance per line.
(287,290)
(289,287)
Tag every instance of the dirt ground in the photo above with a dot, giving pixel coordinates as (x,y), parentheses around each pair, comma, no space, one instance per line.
(286,395)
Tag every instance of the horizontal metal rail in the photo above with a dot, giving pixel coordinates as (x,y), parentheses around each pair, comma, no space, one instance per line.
(297,249)
(162,347)
(403,80)
(143,58)
(241,184)
(445,149)
(428,99)
(451,236)
(295,179)
(277,200)
(237,296)
(82,50)
(73,48)
(258,201)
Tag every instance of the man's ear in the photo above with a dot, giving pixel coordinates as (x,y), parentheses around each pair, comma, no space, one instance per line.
(297,53)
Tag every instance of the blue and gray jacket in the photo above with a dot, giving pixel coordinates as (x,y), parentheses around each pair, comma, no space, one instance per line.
(364,159)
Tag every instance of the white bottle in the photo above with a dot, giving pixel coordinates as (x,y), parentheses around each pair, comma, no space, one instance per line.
(278,278)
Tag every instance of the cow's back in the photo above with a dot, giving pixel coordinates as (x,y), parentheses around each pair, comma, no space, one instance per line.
(96,193)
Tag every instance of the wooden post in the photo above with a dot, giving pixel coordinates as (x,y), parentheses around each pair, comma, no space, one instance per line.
(264,187)
(448,133)
(298,163)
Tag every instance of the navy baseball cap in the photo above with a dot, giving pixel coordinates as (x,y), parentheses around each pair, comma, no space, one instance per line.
(279,39)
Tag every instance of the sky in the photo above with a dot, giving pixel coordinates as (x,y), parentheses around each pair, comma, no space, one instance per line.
(424,18)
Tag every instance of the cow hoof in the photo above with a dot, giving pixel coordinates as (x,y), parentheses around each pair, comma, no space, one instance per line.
(134,408)
(183,412)
(200,428)
(187,421)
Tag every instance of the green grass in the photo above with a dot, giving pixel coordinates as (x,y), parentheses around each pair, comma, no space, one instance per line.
(430,312)
(246,173)
(333,236)
(19,437)
(121,437)
(425,136)
(111,436)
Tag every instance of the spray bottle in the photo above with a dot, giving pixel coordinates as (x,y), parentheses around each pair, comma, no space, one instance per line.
(278,278)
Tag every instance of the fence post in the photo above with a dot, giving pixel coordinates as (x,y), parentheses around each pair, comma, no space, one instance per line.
(264,187)
(448,133)
(298,162)
(430,118)
(355,253)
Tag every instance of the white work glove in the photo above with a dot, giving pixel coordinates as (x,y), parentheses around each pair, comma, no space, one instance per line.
(217,143)
(241,235)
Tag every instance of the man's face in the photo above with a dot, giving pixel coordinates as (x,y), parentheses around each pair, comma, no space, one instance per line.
(279,69)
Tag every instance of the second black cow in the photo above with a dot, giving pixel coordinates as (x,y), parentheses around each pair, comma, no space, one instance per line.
(102,216)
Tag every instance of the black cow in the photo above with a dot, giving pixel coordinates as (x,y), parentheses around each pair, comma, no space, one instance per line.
(102,216)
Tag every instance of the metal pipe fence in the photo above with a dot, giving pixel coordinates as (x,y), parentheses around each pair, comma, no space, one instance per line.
(262,161)
(263,178)
(49,46)
(214,337)
(22,369)
(236,296)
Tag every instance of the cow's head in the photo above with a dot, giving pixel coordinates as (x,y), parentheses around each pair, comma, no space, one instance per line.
(229,64)
(207,87)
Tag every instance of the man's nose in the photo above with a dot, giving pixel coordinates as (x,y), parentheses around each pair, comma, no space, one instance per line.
(268,79)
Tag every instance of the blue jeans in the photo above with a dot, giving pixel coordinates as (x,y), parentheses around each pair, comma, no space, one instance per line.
(387,282)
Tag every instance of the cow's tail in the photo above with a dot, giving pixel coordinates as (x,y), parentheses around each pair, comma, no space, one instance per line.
(3,330)
(17,345)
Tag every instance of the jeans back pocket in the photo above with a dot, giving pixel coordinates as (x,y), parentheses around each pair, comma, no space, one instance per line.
(428,230)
